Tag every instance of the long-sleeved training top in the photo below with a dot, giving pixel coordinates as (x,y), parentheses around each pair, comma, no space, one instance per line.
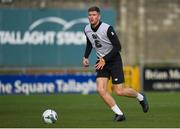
(104,40)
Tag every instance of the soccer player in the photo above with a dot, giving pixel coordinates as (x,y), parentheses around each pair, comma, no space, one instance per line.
(104,40)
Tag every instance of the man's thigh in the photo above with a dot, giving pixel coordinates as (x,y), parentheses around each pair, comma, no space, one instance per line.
(102,83)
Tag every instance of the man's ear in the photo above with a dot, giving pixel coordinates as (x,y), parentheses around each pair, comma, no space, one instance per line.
(99,17)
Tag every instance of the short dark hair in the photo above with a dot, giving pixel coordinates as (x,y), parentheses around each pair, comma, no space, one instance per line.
(94,8)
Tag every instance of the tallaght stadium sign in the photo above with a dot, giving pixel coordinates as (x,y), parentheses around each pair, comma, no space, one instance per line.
(33,36)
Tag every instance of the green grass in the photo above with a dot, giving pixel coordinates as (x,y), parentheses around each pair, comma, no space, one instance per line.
(76,111)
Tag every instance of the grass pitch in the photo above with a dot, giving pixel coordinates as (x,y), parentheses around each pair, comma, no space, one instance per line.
(89,111)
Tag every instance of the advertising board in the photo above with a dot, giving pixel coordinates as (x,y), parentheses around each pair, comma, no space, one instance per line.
(161,79)
(47,84)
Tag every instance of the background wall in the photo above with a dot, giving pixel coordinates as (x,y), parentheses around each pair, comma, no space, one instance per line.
(45,38)
(148,29)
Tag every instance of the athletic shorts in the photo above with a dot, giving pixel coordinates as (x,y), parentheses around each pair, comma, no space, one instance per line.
(112,69)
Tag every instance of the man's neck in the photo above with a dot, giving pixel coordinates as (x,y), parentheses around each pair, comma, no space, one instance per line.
(95,27)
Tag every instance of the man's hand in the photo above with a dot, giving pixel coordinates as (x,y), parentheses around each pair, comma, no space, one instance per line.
(85,62)
(100,64)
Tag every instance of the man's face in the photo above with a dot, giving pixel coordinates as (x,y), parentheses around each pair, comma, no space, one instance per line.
(93,17)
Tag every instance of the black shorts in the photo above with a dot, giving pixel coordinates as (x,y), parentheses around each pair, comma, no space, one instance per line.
(113,69)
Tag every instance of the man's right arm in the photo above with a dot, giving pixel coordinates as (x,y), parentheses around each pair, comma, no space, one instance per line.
(87,52)
(88,48)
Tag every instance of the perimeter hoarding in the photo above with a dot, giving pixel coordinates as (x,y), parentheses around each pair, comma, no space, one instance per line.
(161,78)
(45,37)
(47,84)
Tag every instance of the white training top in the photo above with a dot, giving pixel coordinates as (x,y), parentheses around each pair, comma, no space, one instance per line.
(99,39)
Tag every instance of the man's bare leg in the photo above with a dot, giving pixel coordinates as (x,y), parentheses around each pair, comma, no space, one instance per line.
(102,88)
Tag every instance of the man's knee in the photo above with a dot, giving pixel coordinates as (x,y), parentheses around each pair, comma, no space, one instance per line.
(119,90)
(102,86)
(101,91)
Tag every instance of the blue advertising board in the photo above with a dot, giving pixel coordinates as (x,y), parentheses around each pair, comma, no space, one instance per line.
(47,84)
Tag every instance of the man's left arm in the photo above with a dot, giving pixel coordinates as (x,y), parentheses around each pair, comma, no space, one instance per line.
(115,42)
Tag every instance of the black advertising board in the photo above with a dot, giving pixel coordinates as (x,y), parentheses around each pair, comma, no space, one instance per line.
(161,78)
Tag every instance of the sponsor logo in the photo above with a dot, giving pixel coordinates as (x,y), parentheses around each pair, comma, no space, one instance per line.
(66,25)
(66,36)
(116,79)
